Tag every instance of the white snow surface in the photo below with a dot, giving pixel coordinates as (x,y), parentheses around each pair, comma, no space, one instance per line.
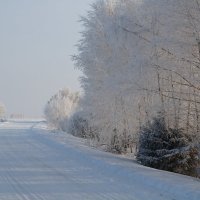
(37,164)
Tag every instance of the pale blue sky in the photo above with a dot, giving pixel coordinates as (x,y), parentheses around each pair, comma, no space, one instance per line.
(37,38)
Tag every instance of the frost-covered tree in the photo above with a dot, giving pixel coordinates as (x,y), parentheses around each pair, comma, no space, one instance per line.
(2,111)
(60,107)
(175,58)
(111,67)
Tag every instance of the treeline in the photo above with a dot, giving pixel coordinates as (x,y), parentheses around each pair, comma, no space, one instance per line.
(141,80)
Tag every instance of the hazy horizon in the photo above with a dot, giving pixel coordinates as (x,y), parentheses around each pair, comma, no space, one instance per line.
(37,40)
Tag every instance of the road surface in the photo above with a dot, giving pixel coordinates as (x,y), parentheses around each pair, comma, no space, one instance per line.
(36,166)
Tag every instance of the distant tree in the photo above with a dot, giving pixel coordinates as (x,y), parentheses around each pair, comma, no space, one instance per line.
(2,111)
(60,107)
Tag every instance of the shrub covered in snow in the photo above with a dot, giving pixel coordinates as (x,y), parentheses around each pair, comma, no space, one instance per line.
(120,143)
(79,126)
(167,149)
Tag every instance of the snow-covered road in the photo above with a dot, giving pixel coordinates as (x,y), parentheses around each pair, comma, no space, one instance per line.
(36,166)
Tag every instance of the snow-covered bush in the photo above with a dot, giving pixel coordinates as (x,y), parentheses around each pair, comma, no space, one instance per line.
(78,125)
(167,149)
(120,142)
(60,107)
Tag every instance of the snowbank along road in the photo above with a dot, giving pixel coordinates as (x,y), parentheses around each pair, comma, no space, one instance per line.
(36,165)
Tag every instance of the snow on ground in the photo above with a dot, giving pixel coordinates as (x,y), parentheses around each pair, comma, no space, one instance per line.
(36,164)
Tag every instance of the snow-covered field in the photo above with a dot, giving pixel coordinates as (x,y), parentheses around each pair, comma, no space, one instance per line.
(40,165)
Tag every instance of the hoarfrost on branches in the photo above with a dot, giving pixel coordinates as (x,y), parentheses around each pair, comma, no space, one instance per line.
(138,58)
(60,107)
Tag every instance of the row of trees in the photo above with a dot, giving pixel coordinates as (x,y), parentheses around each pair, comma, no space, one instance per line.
(141,58)
(138,59)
